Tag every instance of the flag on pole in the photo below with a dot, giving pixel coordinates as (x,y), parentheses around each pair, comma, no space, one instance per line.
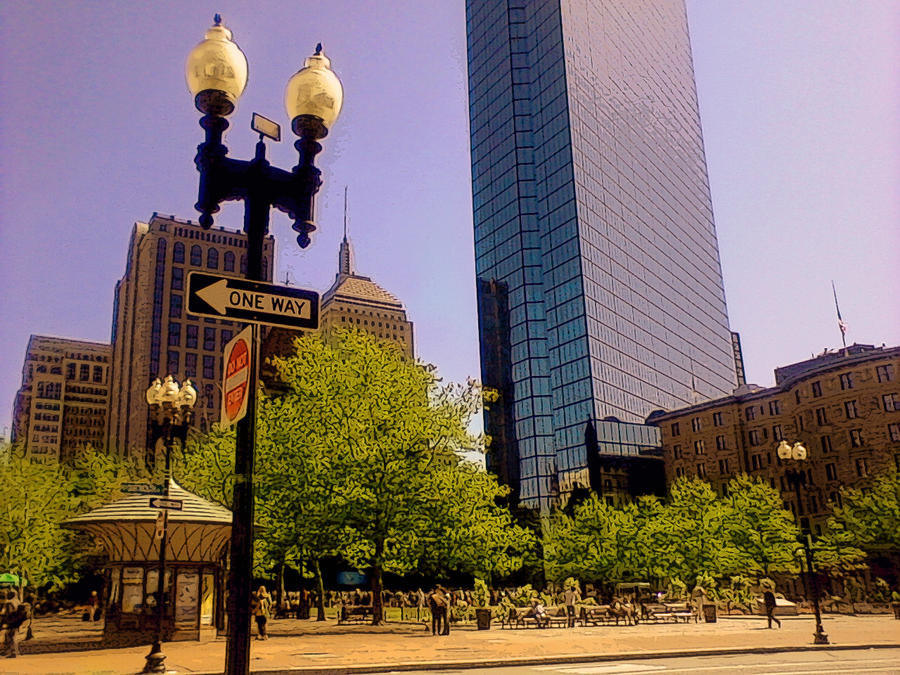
(841,323)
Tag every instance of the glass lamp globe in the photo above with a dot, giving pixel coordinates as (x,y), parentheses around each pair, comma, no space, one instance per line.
(216,71)
(169,392)
(784,450)
(152,394)
(313,96)
(187,397)
(798,451)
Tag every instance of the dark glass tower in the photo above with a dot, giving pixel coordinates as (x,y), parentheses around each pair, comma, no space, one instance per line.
(599,283)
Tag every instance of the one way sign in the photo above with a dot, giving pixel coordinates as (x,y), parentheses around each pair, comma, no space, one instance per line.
(253,301)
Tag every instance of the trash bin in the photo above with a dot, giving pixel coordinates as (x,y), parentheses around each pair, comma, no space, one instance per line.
(709,613)
(483,618)
(896,606)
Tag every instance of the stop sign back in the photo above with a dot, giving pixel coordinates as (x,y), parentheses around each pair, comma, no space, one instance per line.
(236,376)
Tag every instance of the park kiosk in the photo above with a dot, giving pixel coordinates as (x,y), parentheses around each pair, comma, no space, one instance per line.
(129,531)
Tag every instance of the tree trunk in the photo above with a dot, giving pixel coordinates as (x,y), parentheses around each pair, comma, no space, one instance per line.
(280,605)
(320,587)
(377,584)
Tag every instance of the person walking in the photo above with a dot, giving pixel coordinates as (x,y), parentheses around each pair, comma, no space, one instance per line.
(439,604)
(261,607)
(420,603)
(14,615)
(570,597)
(770,603)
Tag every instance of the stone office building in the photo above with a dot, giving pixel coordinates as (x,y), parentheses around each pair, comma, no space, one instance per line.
(844,406)
(153,335)
(61,405)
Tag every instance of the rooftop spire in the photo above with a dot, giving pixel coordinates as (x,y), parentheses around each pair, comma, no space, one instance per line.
(345,257)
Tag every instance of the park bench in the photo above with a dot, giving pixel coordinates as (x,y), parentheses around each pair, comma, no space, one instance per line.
(594,615)
(522,617)
(681,611)
(354,613)
(656,613)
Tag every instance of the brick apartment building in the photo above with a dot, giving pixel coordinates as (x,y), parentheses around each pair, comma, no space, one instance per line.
(61,405)
(844,406)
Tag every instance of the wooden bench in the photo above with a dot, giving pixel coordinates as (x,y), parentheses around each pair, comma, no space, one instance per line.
(354,613)
(522,617)
(681,611)
(655,613)
(594,615)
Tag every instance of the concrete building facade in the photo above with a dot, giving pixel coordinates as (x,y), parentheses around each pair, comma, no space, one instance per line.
(153,335)
(599,286)
(844,406)
(61,406)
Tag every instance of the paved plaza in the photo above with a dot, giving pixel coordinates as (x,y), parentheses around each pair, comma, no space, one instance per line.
(309,646)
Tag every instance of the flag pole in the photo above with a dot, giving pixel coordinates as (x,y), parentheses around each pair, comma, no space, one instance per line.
(841,325)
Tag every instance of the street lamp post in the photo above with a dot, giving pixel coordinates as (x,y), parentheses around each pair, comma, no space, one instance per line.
(796,478)
(216,74)
(171,410)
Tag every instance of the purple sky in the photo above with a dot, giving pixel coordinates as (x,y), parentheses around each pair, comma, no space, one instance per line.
(800,103)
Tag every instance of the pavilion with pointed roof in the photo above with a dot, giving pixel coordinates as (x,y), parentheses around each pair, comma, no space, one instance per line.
(128,531)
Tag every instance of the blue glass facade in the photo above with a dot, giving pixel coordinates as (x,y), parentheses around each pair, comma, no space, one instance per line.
(600,289)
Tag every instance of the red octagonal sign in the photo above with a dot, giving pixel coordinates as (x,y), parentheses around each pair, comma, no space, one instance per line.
(236,378)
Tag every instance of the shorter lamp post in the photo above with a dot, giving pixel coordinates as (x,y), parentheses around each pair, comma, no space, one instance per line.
(171,409)
(795,456)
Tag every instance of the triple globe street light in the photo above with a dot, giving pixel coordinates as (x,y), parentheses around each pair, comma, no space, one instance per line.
(216,73)
(795,456)
(171,413)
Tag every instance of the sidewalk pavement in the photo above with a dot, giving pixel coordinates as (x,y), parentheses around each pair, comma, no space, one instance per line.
(312,647)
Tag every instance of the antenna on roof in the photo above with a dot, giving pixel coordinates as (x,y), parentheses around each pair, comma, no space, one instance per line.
(345,213)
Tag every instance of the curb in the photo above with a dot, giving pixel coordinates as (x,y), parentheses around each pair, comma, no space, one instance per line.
(552,660)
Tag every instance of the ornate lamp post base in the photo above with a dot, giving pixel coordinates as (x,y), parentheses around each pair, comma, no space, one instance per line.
(156,660)
(820,637)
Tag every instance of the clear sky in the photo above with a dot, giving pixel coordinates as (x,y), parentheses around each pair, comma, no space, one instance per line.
(800,104)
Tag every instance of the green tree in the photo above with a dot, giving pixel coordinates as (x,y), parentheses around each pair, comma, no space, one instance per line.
(872,513)
(760,529)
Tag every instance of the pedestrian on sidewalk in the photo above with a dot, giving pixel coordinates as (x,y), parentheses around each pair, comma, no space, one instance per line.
(260,607)
(14,615)
(570,597)
(439,604)
(769,602)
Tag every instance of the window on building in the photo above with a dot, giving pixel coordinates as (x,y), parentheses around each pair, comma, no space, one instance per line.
(797,396)
(894,432)
(754,437)
(777,433)
(775,407)
(98,374)
(172,361)
(675,429)
(699,447)
(831,471)
(756,462)
(174,334)
(84,372)
(178,252)
(821,417)
(846,381)
(835,499)
(190,338)
(212,259)
(816,389)
(862,466)
(801,425)
(826,443)
(696,424)
(224,338)
(209,367)
(208,395)
(890,402)
(701,471)
(720,443)
(209,339)
(750,413)
(885,373)
(717,419)
(190,364)
(244,264)
(723,466)
(175,306)
(177,278)
(812,503)
(70,371)
(851,409)
(196,256)
(229,261)
(676,451)
(856,439)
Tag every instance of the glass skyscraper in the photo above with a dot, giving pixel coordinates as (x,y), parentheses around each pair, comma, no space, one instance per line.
(600,291)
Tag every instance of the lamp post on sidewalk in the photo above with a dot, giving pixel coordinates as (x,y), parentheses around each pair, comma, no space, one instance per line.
(171,410)
(216,73)
(796,478)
